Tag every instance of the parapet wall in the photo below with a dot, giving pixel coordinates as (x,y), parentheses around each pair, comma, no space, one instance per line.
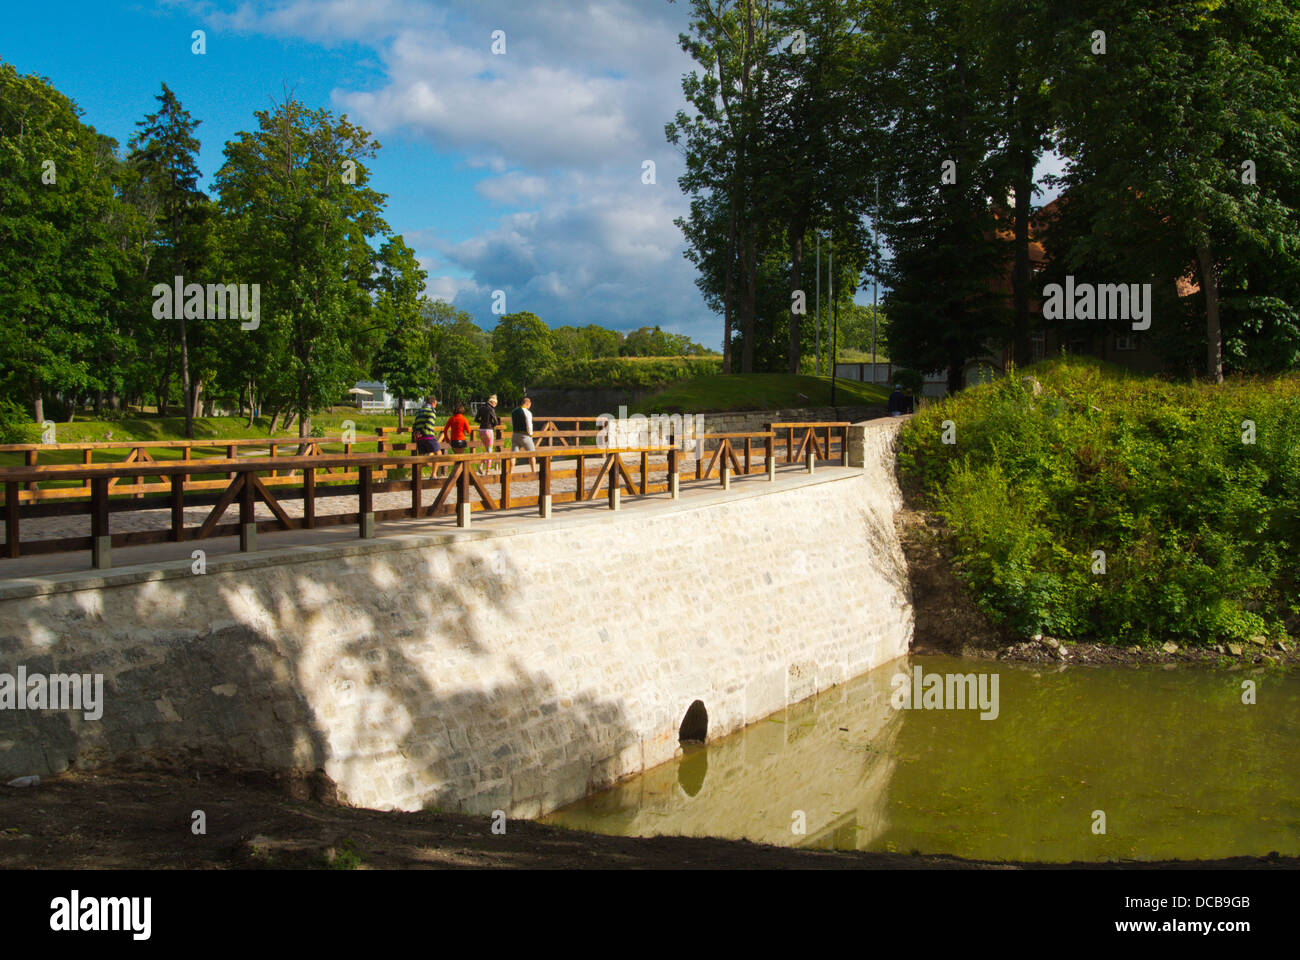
(518,669)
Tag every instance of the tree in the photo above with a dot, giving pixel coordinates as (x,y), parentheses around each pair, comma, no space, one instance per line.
(462,350)
(63,227)
(1190,118)
(164,155)
(405,362)
(732,40)
(302,214)
(522,346)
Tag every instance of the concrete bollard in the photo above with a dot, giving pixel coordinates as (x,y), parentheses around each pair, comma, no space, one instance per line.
(771,469)
(102,553)
(367,526)
(810,458)
(544,506)
(615,498)
(674,485)
(248,537)
(463,513)
(725,473)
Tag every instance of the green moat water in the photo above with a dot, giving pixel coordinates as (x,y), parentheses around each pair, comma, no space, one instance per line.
(1179,766)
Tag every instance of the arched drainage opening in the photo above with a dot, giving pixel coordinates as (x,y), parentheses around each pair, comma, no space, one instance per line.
(695,725)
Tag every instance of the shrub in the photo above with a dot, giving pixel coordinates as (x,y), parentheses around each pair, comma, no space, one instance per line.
(1200,529)
(16,425)
(622,373)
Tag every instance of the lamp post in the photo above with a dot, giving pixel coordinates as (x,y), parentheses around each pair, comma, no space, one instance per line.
(834,326)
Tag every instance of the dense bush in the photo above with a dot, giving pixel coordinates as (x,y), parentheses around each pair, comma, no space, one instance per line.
(1201,529)
(624,373)
(16,424)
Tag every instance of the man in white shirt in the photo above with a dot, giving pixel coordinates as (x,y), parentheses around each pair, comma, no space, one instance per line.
(521,422)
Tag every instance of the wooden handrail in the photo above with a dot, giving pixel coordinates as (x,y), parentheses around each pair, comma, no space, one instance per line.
(613,467)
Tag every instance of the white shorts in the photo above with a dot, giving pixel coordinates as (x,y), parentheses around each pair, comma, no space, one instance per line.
(523,443)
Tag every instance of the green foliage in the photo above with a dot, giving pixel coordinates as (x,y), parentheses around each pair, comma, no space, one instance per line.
(626,373)
(524,353)
(1200,529)
(16,424)
(653,342)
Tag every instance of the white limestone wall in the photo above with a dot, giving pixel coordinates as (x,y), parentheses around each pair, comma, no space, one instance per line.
(515,671)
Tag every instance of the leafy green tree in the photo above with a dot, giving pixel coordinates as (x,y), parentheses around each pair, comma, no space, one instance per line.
(62,224)
(405,362)
(164,155)
(1191,118)
(465,365)
(524,353)
(302,214)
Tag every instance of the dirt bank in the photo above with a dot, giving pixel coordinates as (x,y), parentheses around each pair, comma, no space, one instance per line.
(124,819)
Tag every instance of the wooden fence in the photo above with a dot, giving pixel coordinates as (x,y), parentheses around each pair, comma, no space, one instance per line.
(108,489)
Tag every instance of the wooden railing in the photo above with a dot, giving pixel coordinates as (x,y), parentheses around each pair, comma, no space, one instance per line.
(800,437)
(641,471)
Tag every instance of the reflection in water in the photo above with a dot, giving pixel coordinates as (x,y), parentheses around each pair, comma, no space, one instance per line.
(692,768)
(1178,764)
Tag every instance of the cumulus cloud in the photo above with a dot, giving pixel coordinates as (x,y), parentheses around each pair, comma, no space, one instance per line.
(560,124)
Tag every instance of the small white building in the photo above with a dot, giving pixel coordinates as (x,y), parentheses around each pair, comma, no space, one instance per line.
(377,399)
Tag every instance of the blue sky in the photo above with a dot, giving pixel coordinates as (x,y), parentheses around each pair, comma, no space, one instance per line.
(519,172)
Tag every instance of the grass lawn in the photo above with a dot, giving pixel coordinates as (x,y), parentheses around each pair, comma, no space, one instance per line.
(762,391)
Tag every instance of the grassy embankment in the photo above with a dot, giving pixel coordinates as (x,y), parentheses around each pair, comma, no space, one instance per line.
(1200,526)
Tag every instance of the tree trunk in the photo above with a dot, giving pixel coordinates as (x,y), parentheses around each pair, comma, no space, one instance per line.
(304,415)
(749,302)
(401,408)
(197,403)
(38,406)
(796,283)
(1023,276)
(728,297)
(1213,330)
(187,396)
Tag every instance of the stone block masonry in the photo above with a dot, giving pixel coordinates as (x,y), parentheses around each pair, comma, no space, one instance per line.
(518,668)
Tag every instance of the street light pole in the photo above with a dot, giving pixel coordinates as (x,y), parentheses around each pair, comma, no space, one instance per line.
(833,327)
(875,280)
(817,326)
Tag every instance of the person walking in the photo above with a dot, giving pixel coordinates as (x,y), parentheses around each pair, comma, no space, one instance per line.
(521,425)
(456,430)
(488,421)
(422,430)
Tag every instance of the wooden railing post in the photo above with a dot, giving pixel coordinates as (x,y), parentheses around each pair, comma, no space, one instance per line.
(674,478)
(30,460)
(645,471)
(178,507)
(309,498)
(101,542)
(544,488)
(230,455)
(724,464)
(844,446)
(462,495)
(749,454)
(11,519)
(769,454)
(367,502)
(417,488)
(248,514)
(615,491)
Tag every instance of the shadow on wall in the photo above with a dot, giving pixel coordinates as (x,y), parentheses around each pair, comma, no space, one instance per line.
(403,691)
